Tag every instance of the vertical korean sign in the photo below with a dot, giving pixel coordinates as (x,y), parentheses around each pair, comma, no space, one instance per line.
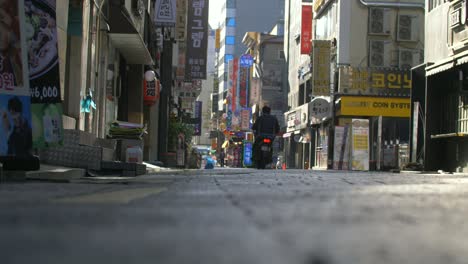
(246,115)
(245,62)
(44,81)
(197,40)
(360,144)
(248,147)
(181,37)
(306,29)
(165,13)
(15,101)
(198,117)
(234,77)
(321,68)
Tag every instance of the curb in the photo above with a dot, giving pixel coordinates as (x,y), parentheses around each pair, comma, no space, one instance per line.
(47,173)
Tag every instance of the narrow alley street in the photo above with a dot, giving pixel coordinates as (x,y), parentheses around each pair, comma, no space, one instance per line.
(239,216)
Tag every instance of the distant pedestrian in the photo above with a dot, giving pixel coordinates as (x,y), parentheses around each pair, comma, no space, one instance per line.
(221,158)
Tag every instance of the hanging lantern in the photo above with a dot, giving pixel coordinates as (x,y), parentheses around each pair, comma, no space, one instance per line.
(150,90)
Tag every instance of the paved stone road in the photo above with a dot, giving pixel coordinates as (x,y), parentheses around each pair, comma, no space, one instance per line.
(239,216)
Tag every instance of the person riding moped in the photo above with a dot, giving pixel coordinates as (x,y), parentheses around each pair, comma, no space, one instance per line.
(265,126)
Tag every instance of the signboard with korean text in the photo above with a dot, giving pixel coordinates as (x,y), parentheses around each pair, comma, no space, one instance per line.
(229,120)
(375,81)
(15,102)
(151,91)
(290,118)
(181,38)
(246,60)
(233,78)
(243,86)
(180,71)
(319,109)
(197,40)
(248,148)
(198,117)
(217,39)
(360,145)
(181,20)
(321,68)
(306,29)
(246,115)
(374,106)
(255,89)
(236,120)
(44,81)
(165,13)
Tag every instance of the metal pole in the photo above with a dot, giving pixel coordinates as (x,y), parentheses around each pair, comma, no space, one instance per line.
(379,143)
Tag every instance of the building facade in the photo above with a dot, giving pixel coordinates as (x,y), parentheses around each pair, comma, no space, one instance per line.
(441,90)
(237,18)
(362,53)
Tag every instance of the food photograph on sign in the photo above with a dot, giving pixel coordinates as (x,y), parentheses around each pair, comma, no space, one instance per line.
(11,70)
(41,36)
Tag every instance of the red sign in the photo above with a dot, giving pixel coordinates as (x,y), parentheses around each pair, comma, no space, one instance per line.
(235,70)
(306,29)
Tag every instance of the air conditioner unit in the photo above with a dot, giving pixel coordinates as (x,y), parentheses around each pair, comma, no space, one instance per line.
(407,28)
(379,21)
(378,54)
(408,58)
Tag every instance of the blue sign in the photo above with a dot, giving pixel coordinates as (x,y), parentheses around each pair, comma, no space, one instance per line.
(248,146)
(246,60)
(229,120)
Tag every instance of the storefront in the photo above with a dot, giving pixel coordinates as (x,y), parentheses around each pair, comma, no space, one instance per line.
(319,118)
(290,139)
(374,127)
(446,138)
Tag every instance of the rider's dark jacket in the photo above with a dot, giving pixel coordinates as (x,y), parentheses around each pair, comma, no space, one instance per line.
(266,125)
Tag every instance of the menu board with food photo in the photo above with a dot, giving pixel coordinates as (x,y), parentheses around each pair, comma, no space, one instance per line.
(15,103)
(44,80)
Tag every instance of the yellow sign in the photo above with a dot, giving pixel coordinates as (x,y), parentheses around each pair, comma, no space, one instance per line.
(317,4)
(375,106)
(218,39)
(321,68)
(360,142)
(375,81)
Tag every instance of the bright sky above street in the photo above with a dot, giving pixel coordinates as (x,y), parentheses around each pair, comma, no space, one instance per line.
(215,8)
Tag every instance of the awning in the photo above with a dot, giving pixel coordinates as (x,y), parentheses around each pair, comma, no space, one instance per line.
(462,60)
(449,135)
(132,47)
(431,70)
(126,33)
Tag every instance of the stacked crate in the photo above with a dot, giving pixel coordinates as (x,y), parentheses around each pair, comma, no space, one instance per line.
(81,150)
